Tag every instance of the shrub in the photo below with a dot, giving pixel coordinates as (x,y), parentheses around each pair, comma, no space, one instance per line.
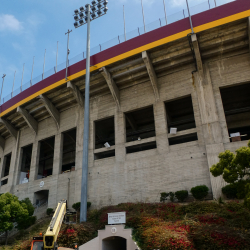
(164,197)
(77,205)
(230,191)
(171,194)
(88,205)
(181,195)
(49,211)
(199,192)
(247,198)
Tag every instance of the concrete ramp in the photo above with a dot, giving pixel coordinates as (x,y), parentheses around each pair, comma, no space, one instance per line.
(112,238)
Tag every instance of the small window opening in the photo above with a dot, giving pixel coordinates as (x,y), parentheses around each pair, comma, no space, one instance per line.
(141,147)
(46,157)
(183,139)
(103,155)
(6,165)
(25,164)
(236,104)
(140,124)
(104,132)
(4,182)
(180,114)
(69,151)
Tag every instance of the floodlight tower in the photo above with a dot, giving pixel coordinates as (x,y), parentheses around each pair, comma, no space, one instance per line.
(85,16)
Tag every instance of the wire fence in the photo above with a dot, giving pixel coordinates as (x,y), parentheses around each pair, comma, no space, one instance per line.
(209,4)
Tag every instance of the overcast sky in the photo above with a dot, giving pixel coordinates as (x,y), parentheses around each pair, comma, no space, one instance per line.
(28,27)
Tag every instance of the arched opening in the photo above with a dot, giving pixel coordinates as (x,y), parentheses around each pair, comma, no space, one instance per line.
(114,243)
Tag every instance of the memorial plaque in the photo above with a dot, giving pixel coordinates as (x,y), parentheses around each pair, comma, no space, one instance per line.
(117,218)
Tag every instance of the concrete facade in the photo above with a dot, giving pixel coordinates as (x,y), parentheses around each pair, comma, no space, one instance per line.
(139,176)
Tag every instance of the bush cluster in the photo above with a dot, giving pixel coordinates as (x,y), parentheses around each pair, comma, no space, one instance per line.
(198,192)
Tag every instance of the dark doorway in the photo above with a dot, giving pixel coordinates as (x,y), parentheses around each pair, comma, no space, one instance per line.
(104,132)
(69,151)
(6,165)
(25,163)
(46,158)
(180,114)
(140,124)
(41,198)
(114,243)
(236,104)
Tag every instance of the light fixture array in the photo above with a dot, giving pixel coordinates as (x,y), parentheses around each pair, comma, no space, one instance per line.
(97,9)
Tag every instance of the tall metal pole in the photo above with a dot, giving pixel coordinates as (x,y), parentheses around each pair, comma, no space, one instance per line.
(143,17)
(165,11)
(124,24)
(191,24)
(22,79)
(13,84)
(67,57)
(32,71)
(44,64)
(84,186)
(2,88)
(56,57)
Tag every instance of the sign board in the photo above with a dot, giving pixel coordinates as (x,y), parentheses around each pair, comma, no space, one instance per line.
(117,218)
(41,184)
(235,134)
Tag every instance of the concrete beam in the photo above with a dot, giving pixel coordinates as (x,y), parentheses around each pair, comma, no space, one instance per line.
(2,142)
(197,53)
(112,86)
(151,73)
(32,123)
(9,127)
(51,109)
(77,93)
(248,22)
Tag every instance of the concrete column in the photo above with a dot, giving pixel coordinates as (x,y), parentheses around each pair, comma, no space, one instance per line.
(120,136)
(58,152)
(161,128)
(34,161)
(14,162)
(210,124)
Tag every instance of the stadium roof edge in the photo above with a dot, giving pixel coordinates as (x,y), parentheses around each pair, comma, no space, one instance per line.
(203,21)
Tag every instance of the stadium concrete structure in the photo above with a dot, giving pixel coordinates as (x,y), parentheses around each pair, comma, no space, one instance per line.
(168,78)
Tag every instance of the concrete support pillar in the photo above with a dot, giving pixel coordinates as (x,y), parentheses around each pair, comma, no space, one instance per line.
(120,136)
(58,152)
(34,161)
(161,128)
(14,162)
(210,124)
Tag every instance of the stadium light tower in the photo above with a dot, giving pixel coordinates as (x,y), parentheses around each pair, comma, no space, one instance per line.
(85,16)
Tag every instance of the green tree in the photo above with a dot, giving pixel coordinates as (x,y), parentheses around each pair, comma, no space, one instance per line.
(234,168)
(11,211)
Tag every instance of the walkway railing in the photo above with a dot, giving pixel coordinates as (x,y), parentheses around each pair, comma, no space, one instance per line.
(209,4)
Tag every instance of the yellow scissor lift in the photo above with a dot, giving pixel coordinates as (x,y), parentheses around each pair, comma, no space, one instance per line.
(49,240)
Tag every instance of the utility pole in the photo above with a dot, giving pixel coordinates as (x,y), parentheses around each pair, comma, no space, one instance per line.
(124,24)
(13,84)
(67,57)
(2,88)
(143,17)
(165,12)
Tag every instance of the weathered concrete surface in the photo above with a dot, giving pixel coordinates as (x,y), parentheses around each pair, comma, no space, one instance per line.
(141,176)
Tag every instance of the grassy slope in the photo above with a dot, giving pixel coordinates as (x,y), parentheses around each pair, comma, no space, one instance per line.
(198,225)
